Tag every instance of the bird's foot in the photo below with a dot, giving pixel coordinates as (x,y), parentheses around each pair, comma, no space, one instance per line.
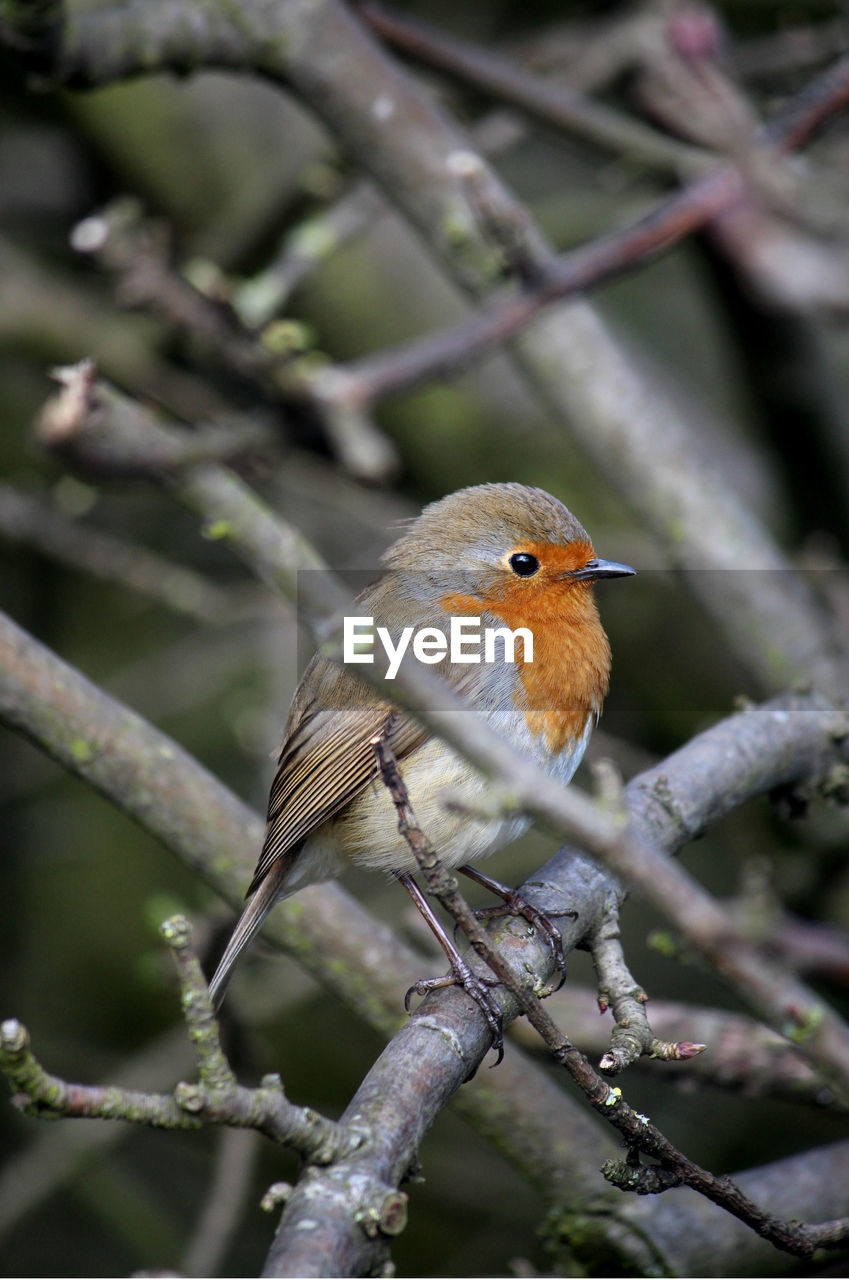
(477,987)
(518,905)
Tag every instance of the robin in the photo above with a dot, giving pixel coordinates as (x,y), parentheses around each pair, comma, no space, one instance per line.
(509,559)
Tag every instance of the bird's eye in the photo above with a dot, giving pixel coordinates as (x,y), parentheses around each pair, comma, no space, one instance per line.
(524,564)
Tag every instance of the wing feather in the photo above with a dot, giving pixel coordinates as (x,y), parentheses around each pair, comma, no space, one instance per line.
(326,760)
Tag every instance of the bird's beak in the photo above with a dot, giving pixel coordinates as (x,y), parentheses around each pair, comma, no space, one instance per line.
(594,569)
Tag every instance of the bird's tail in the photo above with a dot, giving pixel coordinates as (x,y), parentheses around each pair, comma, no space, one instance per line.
(247,927)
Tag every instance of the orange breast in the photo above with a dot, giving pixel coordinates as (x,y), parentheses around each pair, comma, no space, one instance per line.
(568,677)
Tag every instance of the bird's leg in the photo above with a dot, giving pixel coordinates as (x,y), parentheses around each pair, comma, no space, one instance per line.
(462,975)
(518,905)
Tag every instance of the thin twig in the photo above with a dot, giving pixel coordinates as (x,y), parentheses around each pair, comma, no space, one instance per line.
(259,298)
(137,253)
(556,105)
(457,347)
(451,350)
(745,1057)
(632,1036)
(785,231)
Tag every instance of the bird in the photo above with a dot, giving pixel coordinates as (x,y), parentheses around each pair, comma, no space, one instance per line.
(515,558)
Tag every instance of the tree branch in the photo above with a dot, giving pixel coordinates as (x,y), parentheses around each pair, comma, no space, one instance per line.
(555,104)
(639,1135)
(445,1059)
(137,253)
(202,487)
(632,851)
(678,1230)
(215,1099)
(321,51)
(150,778)
(632,1035)
(745,1057)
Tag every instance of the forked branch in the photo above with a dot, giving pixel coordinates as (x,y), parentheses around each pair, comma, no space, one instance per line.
(215,1099)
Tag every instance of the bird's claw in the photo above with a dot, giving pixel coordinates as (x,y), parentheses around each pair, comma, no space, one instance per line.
(515,904)
(475,985)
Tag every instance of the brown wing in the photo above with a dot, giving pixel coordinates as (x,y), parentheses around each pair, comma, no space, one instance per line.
(327,758)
